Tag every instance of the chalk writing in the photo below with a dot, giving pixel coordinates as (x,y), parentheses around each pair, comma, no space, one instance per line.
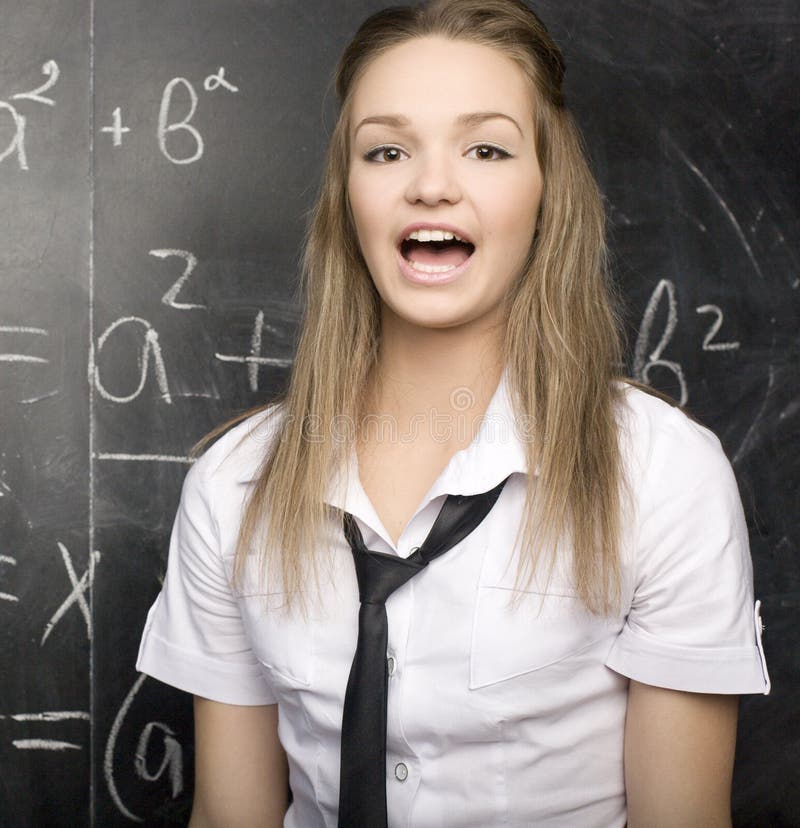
(17,142)
(22,329)
(40,397)
(51,70)
(43,744)
(171,295)
(21,357)
(708,340)
(172,759)
(116,129)
(155,458)
(165,127)
(8,561)
(254,358)
(213,82)
(171,763)
(108,758)
(79,587)
(644,362)
(149,346)
(49,716)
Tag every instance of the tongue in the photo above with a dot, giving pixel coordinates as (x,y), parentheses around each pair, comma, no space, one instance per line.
(431,253)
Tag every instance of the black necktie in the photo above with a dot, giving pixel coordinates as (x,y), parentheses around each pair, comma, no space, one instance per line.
(362,784)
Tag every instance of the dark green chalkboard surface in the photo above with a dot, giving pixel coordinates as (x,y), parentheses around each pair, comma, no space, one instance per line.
(157,162)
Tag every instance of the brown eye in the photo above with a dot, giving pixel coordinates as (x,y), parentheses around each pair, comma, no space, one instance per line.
(487,152)
(384,155)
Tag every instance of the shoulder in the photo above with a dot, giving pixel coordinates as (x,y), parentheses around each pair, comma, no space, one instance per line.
(236,457)
(664,450)
(674,466)
(686,519)
(687,567)
(216,486)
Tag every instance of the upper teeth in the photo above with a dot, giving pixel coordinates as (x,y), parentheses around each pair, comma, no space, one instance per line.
(433,235)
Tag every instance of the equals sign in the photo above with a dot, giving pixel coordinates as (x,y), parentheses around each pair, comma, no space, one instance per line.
(49,716)
(21,357)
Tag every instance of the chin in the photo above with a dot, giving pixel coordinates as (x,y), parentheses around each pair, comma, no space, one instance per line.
(416,317)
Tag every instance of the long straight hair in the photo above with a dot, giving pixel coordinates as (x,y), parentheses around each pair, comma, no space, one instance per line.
(562,344)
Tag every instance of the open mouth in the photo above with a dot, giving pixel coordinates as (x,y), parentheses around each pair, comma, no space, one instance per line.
(434,255)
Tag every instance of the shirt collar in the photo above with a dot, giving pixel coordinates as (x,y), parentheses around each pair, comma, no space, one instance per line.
(497,451)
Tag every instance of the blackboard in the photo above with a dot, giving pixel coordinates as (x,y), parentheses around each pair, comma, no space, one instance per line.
(157,163)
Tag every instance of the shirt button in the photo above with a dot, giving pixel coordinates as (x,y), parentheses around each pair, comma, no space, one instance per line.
(400,772)
(390,665)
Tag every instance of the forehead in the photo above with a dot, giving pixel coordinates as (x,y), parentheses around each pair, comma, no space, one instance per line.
(434,79)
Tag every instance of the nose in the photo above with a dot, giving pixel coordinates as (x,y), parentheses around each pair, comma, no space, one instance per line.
(433,180)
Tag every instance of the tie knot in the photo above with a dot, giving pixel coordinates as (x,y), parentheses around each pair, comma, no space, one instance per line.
(379,575)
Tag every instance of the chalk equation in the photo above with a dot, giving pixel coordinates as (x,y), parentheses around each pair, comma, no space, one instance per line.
(16,146)
(77,594)
(253,358)
(33,731)
(645,360)
(155,739)
(176,112)
(150,358)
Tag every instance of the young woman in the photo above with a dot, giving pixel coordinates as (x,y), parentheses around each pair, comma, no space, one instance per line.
(575,659)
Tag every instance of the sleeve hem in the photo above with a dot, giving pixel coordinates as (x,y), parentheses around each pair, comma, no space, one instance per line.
(727,670)
(228,683)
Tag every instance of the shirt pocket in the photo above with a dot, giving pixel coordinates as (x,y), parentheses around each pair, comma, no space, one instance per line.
(518,631)
(279,635)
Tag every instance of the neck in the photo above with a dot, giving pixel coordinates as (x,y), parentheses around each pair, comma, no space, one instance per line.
(429,375)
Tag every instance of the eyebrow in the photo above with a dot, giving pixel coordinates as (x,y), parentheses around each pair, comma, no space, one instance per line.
(467,119)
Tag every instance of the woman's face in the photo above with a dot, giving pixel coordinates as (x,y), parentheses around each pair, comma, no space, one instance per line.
(441,136)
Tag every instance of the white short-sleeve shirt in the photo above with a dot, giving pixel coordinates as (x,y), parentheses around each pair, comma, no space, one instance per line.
(499,712)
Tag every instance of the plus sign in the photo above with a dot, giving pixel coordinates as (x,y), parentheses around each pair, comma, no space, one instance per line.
(116,129)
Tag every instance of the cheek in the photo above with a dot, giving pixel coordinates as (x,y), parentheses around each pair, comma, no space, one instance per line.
(365,208)
(517,189)
(354,200)
(516,215)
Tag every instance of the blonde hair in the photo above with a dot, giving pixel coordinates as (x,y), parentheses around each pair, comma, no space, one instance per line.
(562,345)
